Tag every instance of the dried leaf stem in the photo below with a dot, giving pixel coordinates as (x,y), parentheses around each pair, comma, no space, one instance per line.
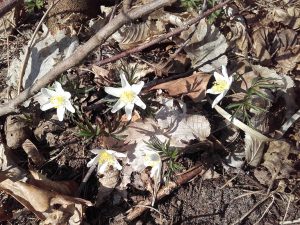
(82,51)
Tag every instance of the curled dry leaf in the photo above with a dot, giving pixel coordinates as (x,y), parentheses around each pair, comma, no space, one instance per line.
(260,45)
(33,153)
(254,149)
(48,50)
(107,184)
(278,162)
(239,37)
(62,187)
(206,45)
(193,86)
(286,44)
(134,34)
(181,126)
(49,206)
(289,17)
(16,130)
(101,75)
(7,163)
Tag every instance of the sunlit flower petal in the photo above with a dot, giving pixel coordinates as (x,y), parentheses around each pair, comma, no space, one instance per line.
(106,159)
(47,106)
(128,110)
(61,113)
(113,91)
(58,99)
(136,88)
(140,103)
(128,96)
(220,86)
(69,107)
(119,105)
(102,168)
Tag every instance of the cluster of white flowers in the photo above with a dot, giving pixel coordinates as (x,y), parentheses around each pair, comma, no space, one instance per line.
(128,97)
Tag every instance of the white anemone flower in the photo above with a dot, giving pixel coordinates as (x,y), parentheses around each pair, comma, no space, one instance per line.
(128,96)
(105,159)
(220,86)
(58,99)
(146,157)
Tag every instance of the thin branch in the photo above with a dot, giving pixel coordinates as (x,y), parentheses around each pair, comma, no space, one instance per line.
(165,36)
(82,51)
(30,45)
(165,191)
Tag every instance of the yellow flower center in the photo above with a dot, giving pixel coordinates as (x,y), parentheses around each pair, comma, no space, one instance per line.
(57,101)
(106,157)
(152,159)
(220,86)
(127,96)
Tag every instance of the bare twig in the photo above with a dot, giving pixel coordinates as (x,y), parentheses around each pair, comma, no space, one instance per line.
(165,191)
(82,51)
(30,45)
(165,36)
(250,211)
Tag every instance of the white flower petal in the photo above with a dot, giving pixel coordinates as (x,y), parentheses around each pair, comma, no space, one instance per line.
(118,106)
(114,91)
(96,151)
(60,113)
(117,165)
(136,88)
(93,161)
(58,88)
(67,95)
(218,99)
(230,80)
(128,110)
(212,91)
(124,81)
(102,168)
(218,76)
(224,72)
(69,106)
(46,106)
(139,102)
(47,92)
(117,154)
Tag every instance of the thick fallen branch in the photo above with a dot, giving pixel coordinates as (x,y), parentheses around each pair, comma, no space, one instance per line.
(165,191)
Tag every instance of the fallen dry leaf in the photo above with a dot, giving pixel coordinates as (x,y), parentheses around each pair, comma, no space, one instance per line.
(254,149)
(289,17)
(260,45)
(16,131)
(137,33)
(49,206)
(107,184)
(47,51)
(101,75)
(193,86)
(287,47)
(33,153)
(63,187)
(207,44)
